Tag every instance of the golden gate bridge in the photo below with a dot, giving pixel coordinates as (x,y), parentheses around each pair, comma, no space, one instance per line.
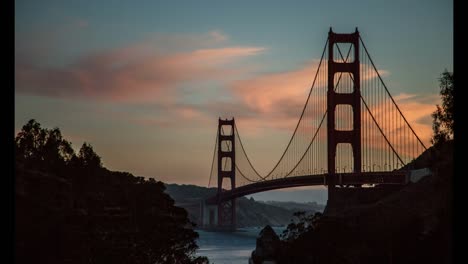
(350,134)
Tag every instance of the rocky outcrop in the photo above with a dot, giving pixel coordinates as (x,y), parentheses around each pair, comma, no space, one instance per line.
(266,250)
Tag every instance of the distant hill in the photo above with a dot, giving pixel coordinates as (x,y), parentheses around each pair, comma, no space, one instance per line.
(295,206)
(249,212)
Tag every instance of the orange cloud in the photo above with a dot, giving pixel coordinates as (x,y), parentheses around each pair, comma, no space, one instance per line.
(417,110)
(263,93)
(140,72)
(223,55)
(276,100)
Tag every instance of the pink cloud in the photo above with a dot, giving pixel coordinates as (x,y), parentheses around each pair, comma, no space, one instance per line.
(172,116)
(137,72)
(417,110)
(222,55)
(169,43)
(218,36)
(262,93)
(276,100)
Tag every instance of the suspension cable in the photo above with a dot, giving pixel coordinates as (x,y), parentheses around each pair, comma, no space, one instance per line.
(312,140)
(375,68)
(225,163)
(245,153)
(302,114)
(373,116)
(315,135)
(243,175)
(214,154)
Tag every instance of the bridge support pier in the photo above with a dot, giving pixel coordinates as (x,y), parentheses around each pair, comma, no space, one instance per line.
(226,210)
(353,99)
(346,198)
(208,215)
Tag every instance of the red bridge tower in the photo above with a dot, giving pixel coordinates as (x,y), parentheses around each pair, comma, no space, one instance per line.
(353,99)
(226,169)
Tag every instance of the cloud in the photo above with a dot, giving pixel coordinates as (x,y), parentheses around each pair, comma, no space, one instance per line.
(223,55)
(156,70)
(170,42)
(276,100)
(218,36)
(138,72)
(417,110)
(266,92)
(156,78)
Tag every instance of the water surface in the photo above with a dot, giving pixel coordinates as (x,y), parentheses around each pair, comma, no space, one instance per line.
(229,247)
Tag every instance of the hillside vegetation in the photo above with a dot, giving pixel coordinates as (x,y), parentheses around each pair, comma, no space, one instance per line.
(412,225)
(250,213)
(70,209)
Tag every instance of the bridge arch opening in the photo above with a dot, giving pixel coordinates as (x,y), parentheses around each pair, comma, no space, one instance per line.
(346,49)
(344,117)
(227,184)
(226,146)
(226,130)
(344,159)
(226,164)
(343,82)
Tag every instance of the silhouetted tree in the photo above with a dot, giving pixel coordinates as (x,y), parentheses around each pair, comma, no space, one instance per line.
(93,215)
(88,158)
(443,116)
(43,149)
(303,223)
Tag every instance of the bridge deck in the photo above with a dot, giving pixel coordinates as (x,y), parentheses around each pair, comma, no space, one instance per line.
(392,177)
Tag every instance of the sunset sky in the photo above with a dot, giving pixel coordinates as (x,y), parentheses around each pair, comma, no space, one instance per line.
(145,81)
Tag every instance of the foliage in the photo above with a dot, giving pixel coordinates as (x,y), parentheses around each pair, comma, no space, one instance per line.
(88,158)
(91,215)
(302,224)
(42,149)
(443,117)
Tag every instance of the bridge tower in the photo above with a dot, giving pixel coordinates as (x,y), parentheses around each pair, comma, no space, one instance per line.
(226,157)
(334,136)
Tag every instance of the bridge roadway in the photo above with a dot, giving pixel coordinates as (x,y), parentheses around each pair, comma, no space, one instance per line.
(352,178)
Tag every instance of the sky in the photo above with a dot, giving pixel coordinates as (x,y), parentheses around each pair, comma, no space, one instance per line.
(145,82)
